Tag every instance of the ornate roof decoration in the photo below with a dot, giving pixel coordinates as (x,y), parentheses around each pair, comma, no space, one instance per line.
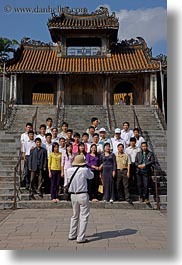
(130,45)
(69,19)
(127,44)
(163,59)
(28,42)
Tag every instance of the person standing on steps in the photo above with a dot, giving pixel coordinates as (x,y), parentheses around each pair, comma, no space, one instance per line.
(108,167)
(132,151)
(42,134)
(127,99)
(94,123)
(93,163)
(90,131)
(55,137)
(54,166)
(116,140)
(49,125)
(126,133)
(79,198)
(144,161)
(139,139)
(67,159)
(64,128)
(37,164)
(123,174)
(27,146)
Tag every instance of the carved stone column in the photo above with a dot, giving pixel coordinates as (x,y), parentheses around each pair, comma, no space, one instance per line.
(153,89)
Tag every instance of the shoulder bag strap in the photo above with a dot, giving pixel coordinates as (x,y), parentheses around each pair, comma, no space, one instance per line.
(73,176)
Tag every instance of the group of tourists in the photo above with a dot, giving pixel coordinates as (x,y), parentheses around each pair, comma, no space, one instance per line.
(91,167)
(119,164)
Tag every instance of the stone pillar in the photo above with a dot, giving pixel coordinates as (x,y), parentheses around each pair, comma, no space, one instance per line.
(162,91)
(60,90)
(104,45)
(153,89)
(11,88)
(146,90)
(105,90)
(14,90)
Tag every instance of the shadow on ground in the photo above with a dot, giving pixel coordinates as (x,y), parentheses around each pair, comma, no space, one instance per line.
(111,234)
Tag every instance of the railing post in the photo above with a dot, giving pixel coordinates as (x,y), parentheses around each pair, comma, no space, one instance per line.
(15,190)
(18,165)
(133,115)
(156,190)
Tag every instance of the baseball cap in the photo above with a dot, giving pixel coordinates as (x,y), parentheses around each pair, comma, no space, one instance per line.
(102,130)
(117,130)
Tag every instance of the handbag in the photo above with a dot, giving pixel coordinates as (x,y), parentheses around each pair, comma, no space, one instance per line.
(67,195)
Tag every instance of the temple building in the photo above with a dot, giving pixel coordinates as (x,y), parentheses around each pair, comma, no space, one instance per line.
(85,65)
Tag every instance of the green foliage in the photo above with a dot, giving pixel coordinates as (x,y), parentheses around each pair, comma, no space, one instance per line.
(7,46)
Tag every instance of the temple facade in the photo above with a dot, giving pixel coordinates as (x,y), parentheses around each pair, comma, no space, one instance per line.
(85,65)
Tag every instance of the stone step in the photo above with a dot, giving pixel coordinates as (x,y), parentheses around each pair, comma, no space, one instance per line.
(10,156)
(41,204)
(6,172)
(6,205)
(4,190)
(7,178)
(7,167)
(6,197)
(6,163)
(47,197)
(7,184)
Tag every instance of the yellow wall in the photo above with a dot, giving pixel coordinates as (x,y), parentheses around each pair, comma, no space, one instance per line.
(122,95)
(42,98)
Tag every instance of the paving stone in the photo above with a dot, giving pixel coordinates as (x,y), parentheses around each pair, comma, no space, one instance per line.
(112,237)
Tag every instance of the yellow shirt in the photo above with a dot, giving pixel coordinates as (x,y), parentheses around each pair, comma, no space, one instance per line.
(54,161)
(122,161)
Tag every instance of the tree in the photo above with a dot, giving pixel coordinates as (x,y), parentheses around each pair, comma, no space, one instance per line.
(7,46)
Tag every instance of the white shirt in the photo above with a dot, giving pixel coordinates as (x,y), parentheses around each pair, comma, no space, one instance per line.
(53,140)
(48,130)
(99,148)
(79,182)
(24,138)
(115,143)
(48,147)
(42,137)
(62,149)
(27,146)
(139,141)
(126,135)
(132,152)
(90,138)
(63,134)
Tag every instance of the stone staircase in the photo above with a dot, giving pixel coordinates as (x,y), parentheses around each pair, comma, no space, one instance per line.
(24,114)
(153,133)
(78,118)
(9,146)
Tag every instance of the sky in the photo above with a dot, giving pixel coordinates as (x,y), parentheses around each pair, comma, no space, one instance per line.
(137,18)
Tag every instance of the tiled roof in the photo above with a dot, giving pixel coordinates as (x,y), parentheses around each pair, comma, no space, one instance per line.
(45,60)
(98,19)
(86,23)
